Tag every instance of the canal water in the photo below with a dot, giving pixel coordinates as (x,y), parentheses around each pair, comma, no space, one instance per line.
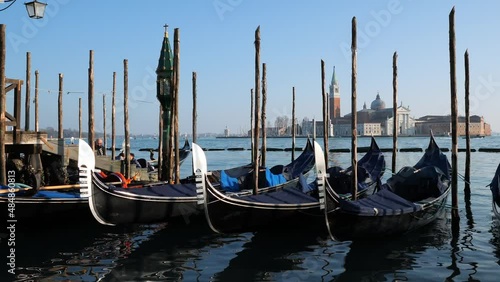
(83,250)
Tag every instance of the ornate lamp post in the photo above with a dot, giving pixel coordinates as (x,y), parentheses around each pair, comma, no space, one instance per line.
(35,9)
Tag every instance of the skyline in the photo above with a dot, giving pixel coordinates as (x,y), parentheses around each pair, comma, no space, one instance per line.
(216,41)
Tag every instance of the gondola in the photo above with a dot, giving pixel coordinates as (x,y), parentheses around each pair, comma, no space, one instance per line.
(371,168)
(495,191)
(410,199)
(288,205)
(52,203)
(161,202)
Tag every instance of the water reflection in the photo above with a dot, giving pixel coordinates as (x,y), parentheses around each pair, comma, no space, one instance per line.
(382,260)
(75,253)
(274,256)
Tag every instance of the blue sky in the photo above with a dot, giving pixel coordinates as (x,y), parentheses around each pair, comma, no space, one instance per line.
(217,42)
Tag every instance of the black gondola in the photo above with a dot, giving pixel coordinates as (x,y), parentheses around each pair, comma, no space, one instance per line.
(410,199)
(162,202)
(495,191)
(291,204)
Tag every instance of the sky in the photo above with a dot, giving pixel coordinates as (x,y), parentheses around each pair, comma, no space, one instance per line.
(217,42)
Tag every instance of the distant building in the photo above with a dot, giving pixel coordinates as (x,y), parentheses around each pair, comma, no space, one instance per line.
(377,120)
(441,125)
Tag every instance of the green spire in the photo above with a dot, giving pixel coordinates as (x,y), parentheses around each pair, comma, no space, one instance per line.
(334,80)
(165,66)
(164,74)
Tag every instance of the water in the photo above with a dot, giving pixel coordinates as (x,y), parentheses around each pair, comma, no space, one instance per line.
(87,251)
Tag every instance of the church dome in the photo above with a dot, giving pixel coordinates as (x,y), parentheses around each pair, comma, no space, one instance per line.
(377,104)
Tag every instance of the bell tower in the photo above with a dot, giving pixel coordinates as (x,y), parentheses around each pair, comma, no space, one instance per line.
(334,103)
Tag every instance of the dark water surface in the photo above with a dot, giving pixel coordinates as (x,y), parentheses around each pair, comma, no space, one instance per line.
(83,250)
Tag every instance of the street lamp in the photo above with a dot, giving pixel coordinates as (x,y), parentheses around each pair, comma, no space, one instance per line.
(35,9)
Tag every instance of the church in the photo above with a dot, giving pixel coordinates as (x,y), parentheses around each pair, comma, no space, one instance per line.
(376,120)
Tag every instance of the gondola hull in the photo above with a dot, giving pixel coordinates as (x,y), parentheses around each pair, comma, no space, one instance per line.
(410,199)
(114,207)
(231,214)
(346,226)
(46,210)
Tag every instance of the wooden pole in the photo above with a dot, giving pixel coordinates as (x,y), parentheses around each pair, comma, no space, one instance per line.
(91,100)
(263,117)
(28,89)
(36,100)
(104,123)
(354,113)
(252,132)
(79,118)
(467,128)
(113,118)
(394,110)
(454,119)
(257,112)
(314,130)
(293,123)
(160,145)
(194,107)
(324,98)
(125,117)
(3,172)
(60,108)
(176,103)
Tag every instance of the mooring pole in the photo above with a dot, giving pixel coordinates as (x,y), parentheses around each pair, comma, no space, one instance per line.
(195,116)
(3,172)
(354,118)
(467,128)
(454,119)
(60,133)
(125,117)
(113,118)
(252,132)
(293,123)
(257,113)
(177,75)
(394,110)
(91,100)
(324,98)
(79,118)
(36,101)
(28,89)
(104,123)
(263,117)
